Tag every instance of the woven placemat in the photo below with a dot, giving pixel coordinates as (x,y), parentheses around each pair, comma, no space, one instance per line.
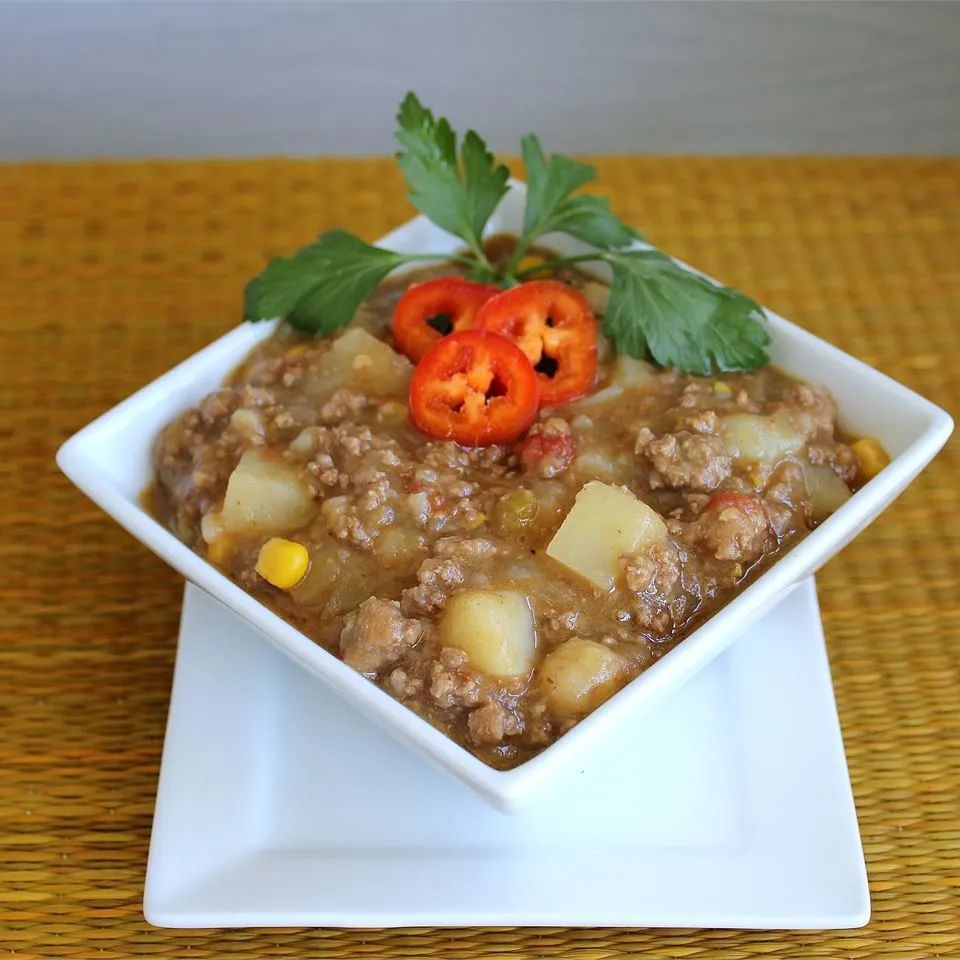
(110,273)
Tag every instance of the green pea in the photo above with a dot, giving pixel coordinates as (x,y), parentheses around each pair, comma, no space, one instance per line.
(515,511)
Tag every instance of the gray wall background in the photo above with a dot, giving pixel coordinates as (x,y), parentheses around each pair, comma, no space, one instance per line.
(86,79)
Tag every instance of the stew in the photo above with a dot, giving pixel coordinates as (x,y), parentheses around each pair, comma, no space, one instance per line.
(503,590)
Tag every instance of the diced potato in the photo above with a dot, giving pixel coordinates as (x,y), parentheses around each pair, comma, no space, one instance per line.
(631,373)
(598,398)
(400,546)
(248,423)
(361,362)
(750,436)
(826,490)
(579,675)
(494,628)
(340,578)
(334,508)
(325,566)
(602,465)
(604,524)
(305,442)
(360,579)
(263,496)
(419,506)
(627,373)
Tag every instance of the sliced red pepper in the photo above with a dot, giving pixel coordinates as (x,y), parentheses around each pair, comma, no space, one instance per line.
(554,326)
(475,388)
(428,311)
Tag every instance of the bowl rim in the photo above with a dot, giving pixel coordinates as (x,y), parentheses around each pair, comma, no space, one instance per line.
(505,788)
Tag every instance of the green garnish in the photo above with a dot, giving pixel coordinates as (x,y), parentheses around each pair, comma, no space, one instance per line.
(683,320)
(457,196)
(322,285)
(656,308)
(550,208)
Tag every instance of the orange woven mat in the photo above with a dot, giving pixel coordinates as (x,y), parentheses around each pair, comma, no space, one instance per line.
(110,273)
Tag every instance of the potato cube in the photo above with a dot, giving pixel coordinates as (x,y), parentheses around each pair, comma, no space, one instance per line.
(632,373)
(604,524)
(826,490)
(750,436)
(494,628)
(263,496)
(579,675)
(361,362)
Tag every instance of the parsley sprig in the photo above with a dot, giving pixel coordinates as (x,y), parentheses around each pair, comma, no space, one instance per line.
(656,307)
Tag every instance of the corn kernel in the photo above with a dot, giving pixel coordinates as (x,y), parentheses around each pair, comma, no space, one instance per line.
(284,563)
(721,387)
(871,457)
(298,351)
(474,520)
(529,262)
(218,553)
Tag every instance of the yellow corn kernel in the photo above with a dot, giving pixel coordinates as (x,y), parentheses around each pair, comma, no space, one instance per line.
(298,351)
(720,387)
(530,262)
(474,520)
(871,457)
(218,553)
(284,563)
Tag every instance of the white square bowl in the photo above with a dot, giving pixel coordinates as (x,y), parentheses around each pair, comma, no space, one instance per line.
(110,461)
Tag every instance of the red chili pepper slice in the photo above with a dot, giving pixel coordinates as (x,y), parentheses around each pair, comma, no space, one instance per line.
(428,311)
(475,388)
(554,326)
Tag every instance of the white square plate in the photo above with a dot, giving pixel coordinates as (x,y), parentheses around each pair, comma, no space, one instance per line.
(726,806)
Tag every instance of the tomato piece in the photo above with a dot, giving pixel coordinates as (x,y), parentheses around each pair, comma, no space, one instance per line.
(475,388)
(428,311)
(553,325)
(548,449)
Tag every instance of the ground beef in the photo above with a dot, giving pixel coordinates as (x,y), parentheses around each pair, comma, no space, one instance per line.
(734,527)
(491,723)
(342,404)
(376,635)
(653,581)
(786,484)
(452,684)
(688,460)
(194,457)
(402,684)
(464,550)
(817,406)
(217,406)
(838,456)
(437,578)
